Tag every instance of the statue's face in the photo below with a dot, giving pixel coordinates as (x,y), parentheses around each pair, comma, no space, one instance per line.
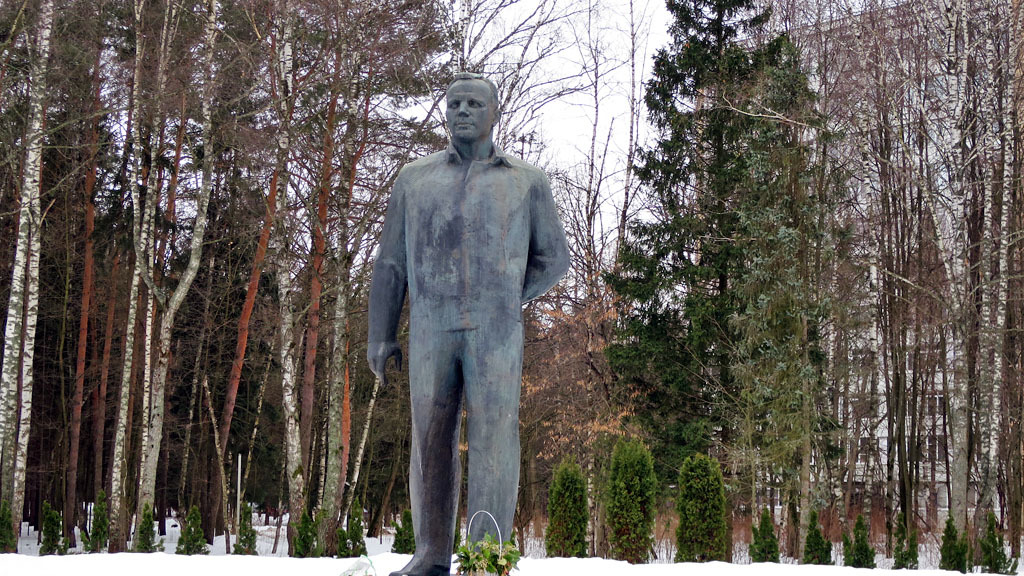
(471,110)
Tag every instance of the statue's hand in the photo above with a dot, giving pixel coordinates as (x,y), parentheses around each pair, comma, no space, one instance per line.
(378,353)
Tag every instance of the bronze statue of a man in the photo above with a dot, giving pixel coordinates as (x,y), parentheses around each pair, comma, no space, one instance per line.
(471,234)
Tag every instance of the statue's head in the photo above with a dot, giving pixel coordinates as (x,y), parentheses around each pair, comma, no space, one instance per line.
(472,108)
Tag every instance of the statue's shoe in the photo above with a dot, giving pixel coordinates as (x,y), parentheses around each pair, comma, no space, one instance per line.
(418,568)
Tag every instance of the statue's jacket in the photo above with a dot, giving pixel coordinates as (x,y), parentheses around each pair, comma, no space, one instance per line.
(471,241)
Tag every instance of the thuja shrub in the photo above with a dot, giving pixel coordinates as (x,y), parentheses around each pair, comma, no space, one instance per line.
(405,540)
(953,553)
(817,550)
(630,505)
(192,540)
(53,540)
(96,541)
(245,544)
(702,532)
(765,544)
(307,545)
(859,553)
(904,553)
(8,539)
(566,533)
(351,541)
(993,556)
(145,538)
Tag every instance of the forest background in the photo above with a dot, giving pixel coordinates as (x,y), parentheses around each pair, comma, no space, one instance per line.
(795,248)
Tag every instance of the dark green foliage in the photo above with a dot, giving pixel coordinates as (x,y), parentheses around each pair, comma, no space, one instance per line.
(351,542)
(953,553)
(405,540)
(904,553)
(993,556)
(8,539)
(817,550)
(765,545)
(245,544)
(701,534)
(566,534)
(96,541)
(630,505)
(860,554)
(192,540)
(53,541)
(487,557)
(457,540)
(145,537)
(307,544)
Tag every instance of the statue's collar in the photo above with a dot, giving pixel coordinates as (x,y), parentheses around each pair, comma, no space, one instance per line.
(498,158)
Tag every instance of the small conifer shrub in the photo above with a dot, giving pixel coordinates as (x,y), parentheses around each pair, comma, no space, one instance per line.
(145,537)
(860,554)
(355,541)
(566,533)
(701,534)
(993,556)
(904,553)
(405,539)
(53,540)
(765,545)
(306,542)
(192,540)
(245,544)
(630,505)
(817,550)
(100,533)
(953,553)
(8,539)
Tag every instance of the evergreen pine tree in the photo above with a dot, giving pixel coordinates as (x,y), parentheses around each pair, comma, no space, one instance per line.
(765,545)
(192,540)
(817,550)
(145,537)
(245,544)
(904,553)
(306,543)
(53,539)
(630,507)
(953,553)
(566,533)
(405,540)
(8,539)
(701,534)
(96,541)
(356,542)
(860,554)
(993,556)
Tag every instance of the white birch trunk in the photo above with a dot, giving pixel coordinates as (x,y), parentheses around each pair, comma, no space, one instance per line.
(151,448)
(22,312)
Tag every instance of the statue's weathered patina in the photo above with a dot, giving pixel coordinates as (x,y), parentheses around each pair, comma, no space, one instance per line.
(471,234)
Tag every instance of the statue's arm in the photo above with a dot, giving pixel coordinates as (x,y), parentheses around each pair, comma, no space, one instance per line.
(388,285)
(549,251)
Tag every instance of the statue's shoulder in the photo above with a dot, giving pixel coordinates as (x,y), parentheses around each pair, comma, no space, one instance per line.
(533,172)
(423,163)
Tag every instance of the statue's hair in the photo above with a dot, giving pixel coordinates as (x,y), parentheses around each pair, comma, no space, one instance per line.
(462,76)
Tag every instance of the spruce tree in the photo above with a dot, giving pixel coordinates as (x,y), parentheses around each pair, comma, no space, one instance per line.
(860,554)
(904,552)
(700,503)
(245,544)
(993,556)
(817,550)
(145,537)
(405,540)
(53,539)
(953,553)
(192,540)
(765,545)
(566,533)
(8,539)
(630,506)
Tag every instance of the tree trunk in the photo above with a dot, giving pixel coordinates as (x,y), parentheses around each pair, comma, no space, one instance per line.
(99,406)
